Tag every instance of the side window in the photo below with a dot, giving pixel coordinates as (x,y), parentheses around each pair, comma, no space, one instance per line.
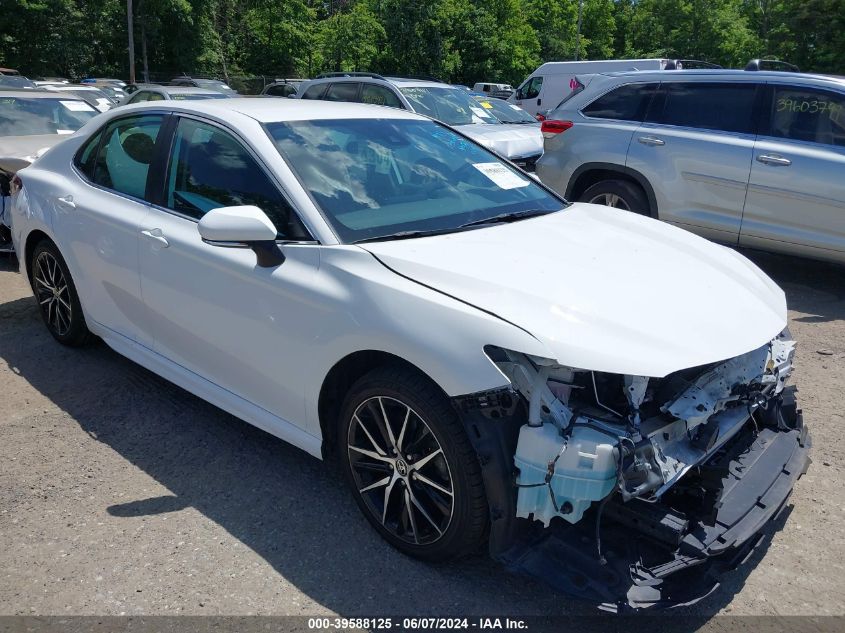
(209,168)
(625,103)
(315,92)
(379,95)
(342,91)
(805,114)
(86,157)
(126,153)
(532,90)
(724,107)
(138,97)
(155,96)
(282,90)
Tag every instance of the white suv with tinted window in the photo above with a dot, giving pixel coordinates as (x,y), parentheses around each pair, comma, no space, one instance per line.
(746,158)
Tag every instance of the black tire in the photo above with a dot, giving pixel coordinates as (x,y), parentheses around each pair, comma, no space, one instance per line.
(427,536)
(629,196)
(60,310)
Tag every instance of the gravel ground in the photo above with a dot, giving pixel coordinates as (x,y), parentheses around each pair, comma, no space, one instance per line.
(122,494)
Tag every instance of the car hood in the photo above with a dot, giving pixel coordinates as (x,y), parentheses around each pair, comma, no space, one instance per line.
(17,152)
(602,289)
(507,139)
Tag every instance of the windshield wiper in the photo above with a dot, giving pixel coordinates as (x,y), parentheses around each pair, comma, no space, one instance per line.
(509,217)
(403,235)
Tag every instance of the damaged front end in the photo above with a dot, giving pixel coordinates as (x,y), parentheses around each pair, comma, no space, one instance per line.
(637,492)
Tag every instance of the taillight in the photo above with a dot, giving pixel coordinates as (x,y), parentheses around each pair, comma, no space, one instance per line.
(540,117)
(550,127)
(15,185)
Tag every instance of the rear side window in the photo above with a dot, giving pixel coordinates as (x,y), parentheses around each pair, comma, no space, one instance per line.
(805,114)
(379,95)
(315,92)
(725,107)
(342,91)
(139,97)
(282,90)
(86,157)
(126,152)
(625,103)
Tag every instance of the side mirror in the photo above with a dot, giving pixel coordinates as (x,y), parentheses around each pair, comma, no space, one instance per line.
(242,227)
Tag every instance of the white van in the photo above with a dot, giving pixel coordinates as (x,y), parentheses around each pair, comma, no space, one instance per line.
(550,83)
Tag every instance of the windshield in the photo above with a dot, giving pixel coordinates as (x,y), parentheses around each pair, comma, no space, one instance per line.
(196,96)
(451,106)
(378,177)
(211,84)
(506,112)
(22,116)
(15,81)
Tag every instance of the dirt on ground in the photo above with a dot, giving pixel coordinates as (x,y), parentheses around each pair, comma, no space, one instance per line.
(123,494)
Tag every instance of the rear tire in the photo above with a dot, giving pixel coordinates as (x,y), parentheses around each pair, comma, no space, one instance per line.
(421,462)
(57,298)
(619,194)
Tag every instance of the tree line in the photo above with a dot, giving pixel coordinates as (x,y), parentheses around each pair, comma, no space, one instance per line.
(456,40)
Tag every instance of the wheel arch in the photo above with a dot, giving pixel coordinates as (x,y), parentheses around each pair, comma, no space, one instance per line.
(340,379)
(589,174)
(32,240)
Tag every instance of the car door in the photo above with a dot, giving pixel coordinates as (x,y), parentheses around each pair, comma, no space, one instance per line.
(528,96)
(796,192)
(99,221)
(215,311)
(695,149)
(343,91)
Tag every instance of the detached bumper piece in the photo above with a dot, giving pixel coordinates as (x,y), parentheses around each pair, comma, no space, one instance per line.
(673,552)
(528,163)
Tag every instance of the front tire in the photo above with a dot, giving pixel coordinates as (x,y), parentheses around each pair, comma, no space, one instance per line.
(57,298)
(411,467)
(619,194)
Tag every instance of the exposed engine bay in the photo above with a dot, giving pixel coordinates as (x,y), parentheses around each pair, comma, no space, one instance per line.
(619,482)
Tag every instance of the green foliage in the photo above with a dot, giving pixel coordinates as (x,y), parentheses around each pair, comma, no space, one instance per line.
(458,40)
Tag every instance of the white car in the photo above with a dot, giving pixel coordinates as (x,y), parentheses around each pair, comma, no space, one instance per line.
(487,362)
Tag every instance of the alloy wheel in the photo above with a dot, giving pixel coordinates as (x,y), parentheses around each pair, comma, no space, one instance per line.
(611,200)
(400,470)
(51,290)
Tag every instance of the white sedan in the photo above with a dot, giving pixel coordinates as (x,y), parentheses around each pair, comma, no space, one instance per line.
(588,391)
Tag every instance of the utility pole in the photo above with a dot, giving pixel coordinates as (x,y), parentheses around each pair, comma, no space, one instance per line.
(578,34)
(131,42)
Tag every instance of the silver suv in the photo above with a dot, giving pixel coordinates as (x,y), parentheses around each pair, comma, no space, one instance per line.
(746,158)
(522,144)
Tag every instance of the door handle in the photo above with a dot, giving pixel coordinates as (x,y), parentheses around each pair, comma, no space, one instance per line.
(774,160)
(651,140)
(156,236)
(67,201)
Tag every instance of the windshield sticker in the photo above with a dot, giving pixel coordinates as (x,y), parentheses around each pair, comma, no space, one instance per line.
(480,112)
(486,104)
(515,107)
(76,106)
(64,131)
(501,175)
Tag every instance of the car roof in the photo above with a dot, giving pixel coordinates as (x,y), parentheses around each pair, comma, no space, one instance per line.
(399,82)
(177,90)
(39,94)
(60,87)
(274,110)
(757,75)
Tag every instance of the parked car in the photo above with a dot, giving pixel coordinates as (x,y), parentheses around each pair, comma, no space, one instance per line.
(450,105)
(553,81)
(207,84)
(370,285)
(15,82)
(104,80)
(114,92)
(512,115)
(30,122)
(747,158)
(94,96)
(154,92)
(282,87)
(490,88)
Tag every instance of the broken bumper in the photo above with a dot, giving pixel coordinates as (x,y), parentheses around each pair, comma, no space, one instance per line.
(655,556)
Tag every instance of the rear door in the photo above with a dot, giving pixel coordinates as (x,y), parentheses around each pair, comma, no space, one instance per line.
(796,193)
(695,149)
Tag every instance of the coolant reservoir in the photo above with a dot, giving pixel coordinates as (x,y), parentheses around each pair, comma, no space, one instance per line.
(585,472)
